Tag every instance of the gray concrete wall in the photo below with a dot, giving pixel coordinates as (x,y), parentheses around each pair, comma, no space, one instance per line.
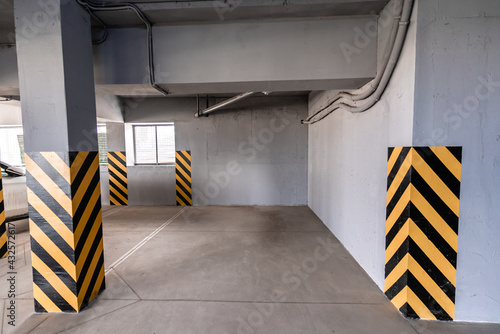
(458,51)
(15,196)
(254,153)
(348,163)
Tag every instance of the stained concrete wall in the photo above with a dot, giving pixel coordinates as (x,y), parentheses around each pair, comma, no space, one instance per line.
(457,94)
(253,153)
(348,162)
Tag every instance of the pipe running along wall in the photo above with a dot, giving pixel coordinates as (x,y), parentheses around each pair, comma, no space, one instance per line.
(372,92)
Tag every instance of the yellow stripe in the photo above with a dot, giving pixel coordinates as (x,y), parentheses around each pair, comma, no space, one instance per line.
(43,300)
(181,201)
(120,175)
(180,170)
(116,183)
(82,188)
(51,218)
(187,154)
(183,162)
(77,164)
(90,273)
(98,284)
(397,241)
(433,253)
(49,185)
(449,161)
(87,213)
(396,273)
(181,181)
(401,298)
(434,219)
(420,309)
(430,286)
(121,155)
(54,251)
(59,165)
(88,244)
(398,178)
(54,281)
(118,163)
(433,180)
(186,197)
(393,158)
(117,194)
(398,209)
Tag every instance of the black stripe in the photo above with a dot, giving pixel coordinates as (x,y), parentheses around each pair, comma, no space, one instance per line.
(390,150)
(399,192)
(184,156)
(84,168)
(397,165)
(117,200)
(429,267)
(49,231)
(85,233)
(435,201)
(93,280)
(39,308)
(117,167)
(117,157)
(398,286)
(54,266)
(440,169)
(3,250)
(397,257)
(92,253)
(51,293)
(49,201)
(408,311)
(433,235)
(184,199)
(116,189)
(427,299)
(94,185)
(398,224)
(457,152)
(88,228)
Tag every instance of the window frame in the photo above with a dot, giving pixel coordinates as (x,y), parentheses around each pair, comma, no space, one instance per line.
(155,125)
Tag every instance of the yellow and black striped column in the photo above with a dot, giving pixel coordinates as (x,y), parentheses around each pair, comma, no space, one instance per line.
(64,200)
(117,167)
(423,197)
(183,178)
(3,228)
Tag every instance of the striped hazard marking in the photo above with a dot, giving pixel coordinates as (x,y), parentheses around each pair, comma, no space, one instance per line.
(423,198)
(184,192)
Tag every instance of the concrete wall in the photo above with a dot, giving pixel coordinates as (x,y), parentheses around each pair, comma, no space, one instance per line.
(15,197)
(458,51)
(254,153)
(348,163)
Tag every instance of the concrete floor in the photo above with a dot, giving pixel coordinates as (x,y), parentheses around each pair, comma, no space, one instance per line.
(224,270)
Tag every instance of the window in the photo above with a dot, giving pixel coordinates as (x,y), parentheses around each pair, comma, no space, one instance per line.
(102,140)
(12,145)
(154,144)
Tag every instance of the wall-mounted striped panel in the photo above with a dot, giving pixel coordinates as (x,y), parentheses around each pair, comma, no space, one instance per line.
(3,228)
(117,167)
(66,229)
(423,193)
(184,192)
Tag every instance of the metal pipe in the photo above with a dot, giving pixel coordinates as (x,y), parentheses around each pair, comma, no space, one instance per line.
(224,103)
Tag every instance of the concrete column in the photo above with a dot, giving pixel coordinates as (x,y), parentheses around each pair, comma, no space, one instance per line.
(54,51)
(117,164)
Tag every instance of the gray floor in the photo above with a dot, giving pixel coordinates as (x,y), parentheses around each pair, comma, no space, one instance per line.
(224,270)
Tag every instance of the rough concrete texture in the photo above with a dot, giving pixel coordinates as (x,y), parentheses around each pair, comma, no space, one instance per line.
(15,197)
(457,93)
(223,270)
(348,163)
(253,153)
